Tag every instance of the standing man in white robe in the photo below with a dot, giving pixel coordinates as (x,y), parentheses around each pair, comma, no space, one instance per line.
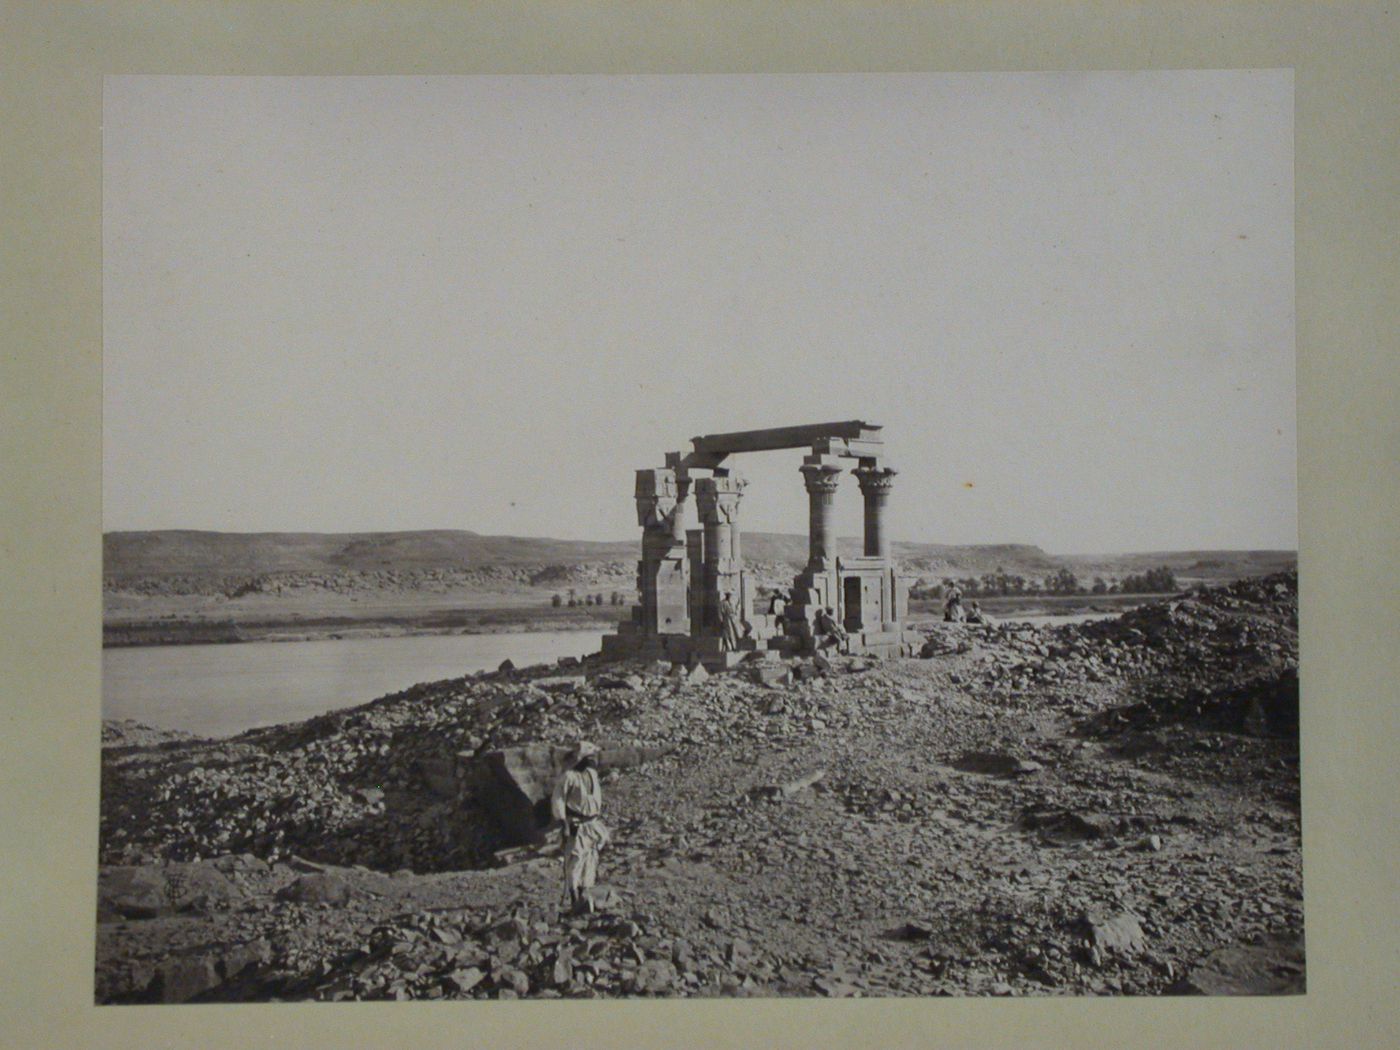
(577,802)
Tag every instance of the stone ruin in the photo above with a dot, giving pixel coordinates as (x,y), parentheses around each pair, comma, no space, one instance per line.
(685,572)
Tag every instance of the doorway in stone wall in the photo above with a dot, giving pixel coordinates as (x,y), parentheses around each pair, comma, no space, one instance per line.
(852,604)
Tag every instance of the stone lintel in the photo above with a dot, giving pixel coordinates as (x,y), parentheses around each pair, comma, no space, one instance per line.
(863,563)
(786,437)
(701,460)
(848,449)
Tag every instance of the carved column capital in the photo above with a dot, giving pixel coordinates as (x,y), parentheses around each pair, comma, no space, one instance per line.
(875,479)
(821,478)
(717,499)
(656,495)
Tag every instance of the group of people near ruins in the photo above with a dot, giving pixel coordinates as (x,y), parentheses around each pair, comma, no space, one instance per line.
(954,612)
(828,632)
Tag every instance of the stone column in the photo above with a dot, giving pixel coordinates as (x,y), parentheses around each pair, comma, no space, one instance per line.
(875,484)
(662,574)
(822,476)
(717,500)
(680,518)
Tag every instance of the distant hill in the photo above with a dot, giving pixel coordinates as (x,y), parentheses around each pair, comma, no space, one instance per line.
(1191,565)
(181,552)
(187,552)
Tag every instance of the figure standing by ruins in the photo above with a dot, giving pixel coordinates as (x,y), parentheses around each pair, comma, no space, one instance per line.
(729,629)
(577,803)
(953,611)
(829,632)
(777,603)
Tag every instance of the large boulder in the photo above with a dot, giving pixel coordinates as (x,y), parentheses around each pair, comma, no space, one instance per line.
(182,977)
(1118,933)
(1273,966)
(144,892)
(514,785)
(132,893)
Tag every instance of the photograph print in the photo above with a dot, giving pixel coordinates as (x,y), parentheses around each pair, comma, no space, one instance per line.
(578,537)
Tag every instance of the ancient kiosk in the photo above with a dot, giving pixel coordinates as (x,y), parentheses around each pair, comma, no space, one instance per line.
(685,573)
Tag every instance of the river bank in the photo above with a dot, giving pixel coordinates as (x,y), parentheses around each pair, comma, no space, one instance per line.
(197,620)
(298,625)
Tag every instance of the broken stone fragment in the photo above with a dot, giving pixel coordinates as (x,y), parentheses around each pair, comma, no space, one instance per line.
(792,787)
(1119,932)
(464,980)
(182,977)
(994,763)
(909,931)
(133,892)
(654,977)
(1272,966)
(602,898)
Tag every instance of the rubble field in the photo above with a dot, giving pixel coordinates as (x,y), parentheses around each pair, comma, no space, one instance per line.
(1101,808)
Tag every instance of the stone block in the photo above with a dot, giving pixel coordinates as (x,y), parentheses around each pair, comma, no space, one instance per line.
(133,892)
(563,683)
(514,785)
(770,672)
(182,977)
(617,647)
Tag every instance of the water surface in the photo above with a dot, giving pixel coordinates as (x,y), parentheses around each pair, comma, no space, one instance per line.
(218,690)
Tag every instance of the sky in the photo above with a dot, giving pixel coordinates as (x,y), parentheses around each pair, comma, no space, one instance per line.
(346,304)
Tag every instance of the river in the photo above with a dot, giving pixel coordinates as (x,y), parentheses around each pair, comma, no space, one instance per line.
(219,690)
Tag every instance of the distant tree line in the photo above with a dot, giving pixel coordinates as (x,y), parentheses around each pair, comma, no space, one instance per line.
(1153,581)
(1001,584)
(574,600)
